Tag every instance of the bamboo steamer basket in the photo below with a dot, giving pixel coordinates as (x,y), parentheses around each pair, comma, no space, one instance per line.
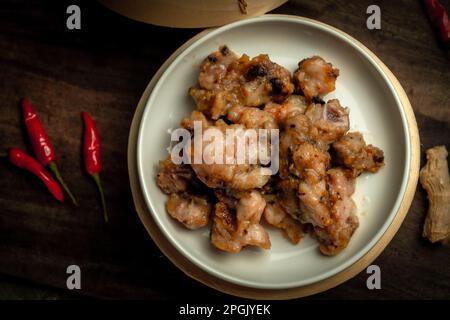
(191,13)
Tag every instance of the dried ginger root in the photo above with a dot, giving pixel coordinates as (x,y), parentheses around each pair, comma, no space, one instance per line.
(434,178)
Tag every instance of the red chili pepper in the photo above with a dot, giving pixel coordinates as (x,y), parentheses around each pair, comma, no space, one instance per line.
(439,17)
(92,155)
(22,160)
(41,143)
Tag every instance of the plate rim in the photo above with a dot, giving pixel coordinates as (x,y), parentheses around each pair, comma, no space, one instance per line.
(402,101)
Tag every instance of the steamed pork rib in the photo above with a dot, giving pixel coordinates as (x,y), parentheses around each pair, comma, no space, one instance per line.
(252,118)
(329,120)
(312,164)
(226,81)
(321,125)
(315,77)
(292,106)
(352,152)
(335,237)
(191,210)
(218,83)
(231,231)
(174,178)
(265,81)
(196,116)
(275,215)
(231,174)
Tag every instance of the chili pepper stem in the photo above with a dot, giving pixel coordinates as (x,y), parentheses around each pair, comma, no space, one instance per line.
(3,154)
(96,177)
(54,168)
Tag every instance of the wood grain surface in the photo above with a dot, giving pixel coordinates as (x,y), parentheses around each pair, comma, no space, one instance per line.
(104,68)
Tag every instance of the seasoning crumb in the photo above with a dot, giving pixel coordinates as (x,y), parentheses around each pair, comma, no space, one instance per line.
(243,6)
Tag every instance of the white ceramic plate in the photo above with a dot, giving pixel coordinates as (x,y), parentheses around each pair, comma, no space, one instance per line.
(375,110)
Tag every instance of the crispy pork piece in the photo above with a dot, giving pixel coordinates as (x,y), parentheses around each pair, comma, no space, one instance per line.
(231,231)
(336,236)
(353,153)
(191,210)
(315,77)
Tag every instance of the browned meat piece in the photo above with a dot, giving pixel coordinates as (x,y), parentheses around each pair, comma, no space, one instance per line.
(188,123)
(223,231)
(288,196)
(291,107)
(218,83)
(353,153)
(297,131)
(315,77)
(312,164)
(191,210)
(214,69)
(335,237)
(231,232)
(277,217)
(174,178)
(226,82)
(265,81)
(235,176)
(252,118)
(330,122)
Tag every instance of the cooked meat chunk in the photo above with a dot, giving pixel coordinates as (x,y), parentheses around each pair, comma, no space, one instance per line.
(330,121)
(229,173)
(265,81)
(226,82)
(231,232)
(223,231)
(292,106)
(352,152)
(288,196)
(218,83)
(252,118)
(277,217)
(188,123)
(335,237)
(214,69)
(312,164)
(174,178)
(315,77)
(191,210)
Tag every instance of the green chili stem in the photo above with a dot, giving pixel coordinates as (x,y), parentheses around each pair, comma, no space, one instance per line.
(100,189)
(55,171)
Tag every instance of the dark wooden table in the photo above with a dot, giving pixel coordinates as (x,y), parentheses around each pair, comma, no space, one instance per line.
(104,68)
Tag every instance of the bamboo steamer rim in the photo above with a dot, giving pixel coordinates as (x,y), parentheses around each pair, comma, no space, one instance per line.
(191,13)
(264,294)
